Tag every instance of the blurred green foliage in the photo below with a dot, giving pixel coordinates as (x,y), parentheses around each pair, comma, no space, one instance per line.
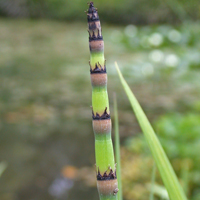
(119,11)
(179,136)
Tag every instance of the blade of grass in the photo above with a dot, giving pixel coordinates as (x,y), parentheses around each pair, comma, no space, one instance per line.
(153,178)
(117,149)
(168,175)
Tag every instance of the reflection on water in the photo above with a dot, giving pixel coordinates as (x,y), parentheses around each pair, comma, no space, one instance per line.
(60,186)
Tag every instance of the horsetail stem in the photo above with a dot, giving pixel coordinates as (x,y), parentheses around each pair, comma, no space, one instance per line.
(105,164)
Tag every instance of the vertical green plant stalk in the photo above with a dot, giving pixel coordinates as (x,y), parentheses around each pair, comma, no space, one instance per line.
(117,149)
(153,178)
(105,164)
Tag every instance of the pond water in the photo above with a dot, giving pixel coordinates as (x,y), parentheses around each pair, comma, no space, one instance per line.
(46,137)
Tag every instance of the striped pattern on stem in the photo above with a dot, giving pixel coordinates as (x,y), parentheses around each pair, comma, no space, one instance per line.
(105,164)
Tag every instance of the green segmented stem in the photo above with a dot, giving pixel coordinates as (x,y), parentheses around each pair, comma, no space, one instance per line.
(105,164)
(97,57)
(99,99)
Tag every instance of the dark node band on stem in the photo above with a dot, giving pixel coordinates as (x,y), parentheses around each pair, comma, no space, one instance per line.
(93,17)
(94,25)
(106,176)
(98,75)
(105,115)
(91,7)
(93,36)
(98,69)
(92,13)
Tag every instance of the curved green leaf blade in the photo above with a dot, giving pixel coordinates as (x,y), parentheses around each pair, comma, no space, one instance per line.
(168,175)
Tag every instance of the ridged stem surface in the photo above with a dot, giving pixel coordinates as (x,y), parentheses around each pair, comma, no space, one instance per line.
(105,164)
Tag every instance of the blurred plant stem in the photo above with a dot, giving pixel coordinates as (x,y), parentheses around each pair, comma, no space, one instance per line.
(117,149)
(153,178)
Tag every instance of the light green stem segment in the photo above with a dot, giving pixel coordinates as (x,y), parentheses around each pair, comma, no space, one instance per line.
(97,58)
(99,99)
(104,153)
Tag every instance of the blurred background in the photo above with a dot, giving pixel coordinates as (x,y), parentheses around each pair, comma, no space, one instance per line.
(46,137)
